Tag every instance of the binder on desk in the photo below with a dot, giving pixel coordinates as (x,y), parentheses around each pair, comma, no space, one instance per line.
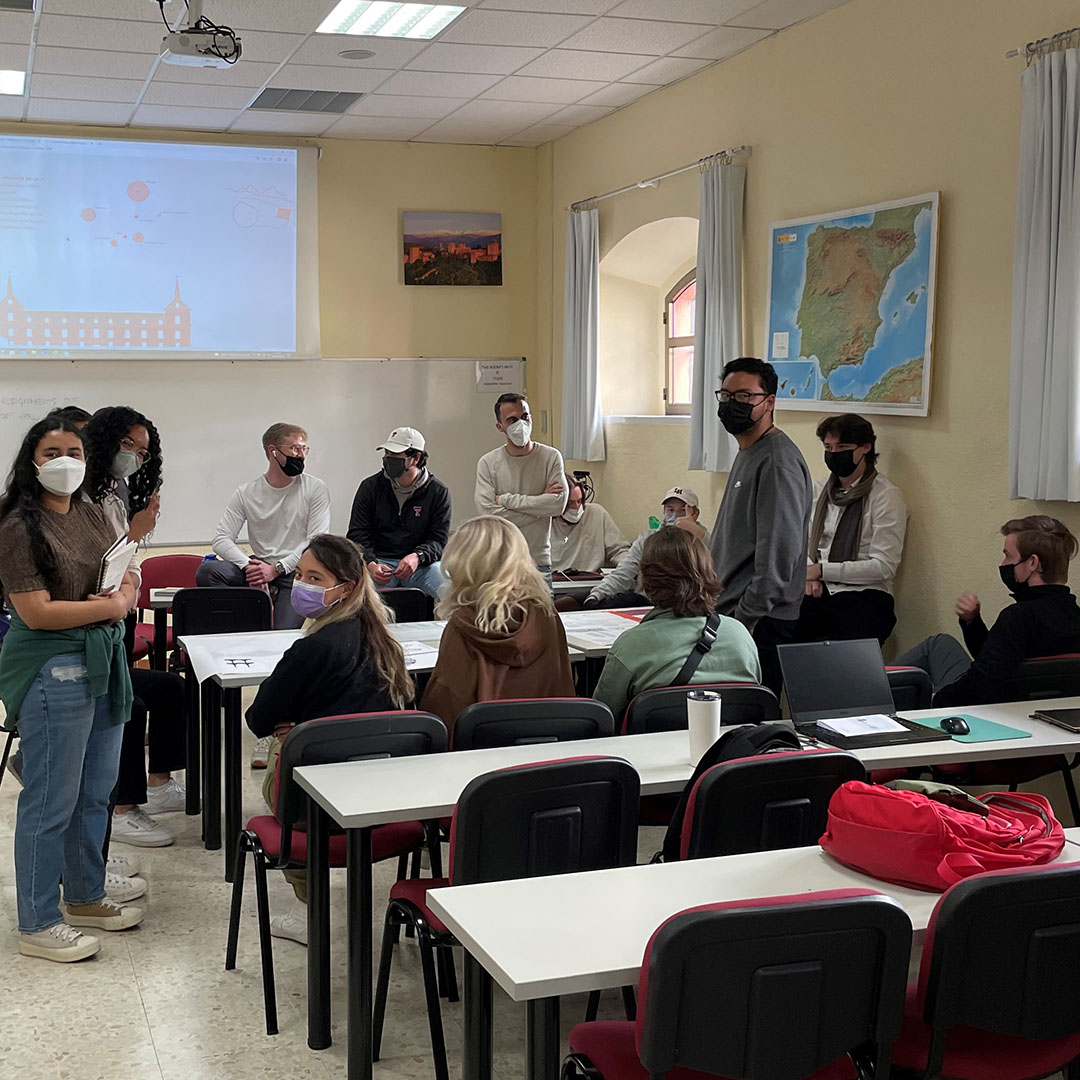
(115,563)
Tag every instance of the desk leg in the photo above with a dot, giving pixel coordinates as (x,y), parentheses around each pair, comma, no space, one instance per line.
(477,1010)
(358,906)
(161,634)
(193,770)
(234,809)
(211,733)
(318,917)
(542,1039)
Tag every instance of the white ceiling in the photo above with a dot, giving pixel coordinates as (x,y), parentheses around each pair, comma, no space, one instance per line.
(506,72)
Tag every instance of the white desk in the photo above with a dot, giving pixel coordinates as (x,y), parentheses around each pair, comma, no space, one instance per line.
(539,938)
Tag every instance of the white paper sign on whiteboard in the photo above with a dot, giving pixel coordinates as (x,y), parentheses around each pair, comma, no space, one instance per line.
(497,376)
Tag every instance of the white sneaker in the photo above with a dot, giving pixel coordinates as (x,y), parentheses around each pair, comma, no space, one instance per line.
(122,865)
(167,799)
(292,925)
(121,888)
(260,754)
(61,943)
(137,828)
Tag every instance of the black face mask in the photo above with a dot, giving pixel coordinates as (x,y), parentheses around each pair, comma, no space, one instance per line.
(736,416)
(292,466)
(840,462)
(394,467)
(1008,579)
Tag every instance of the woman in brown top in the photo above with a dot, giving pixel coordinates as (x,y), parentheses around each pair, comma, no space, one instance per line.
(64,683)
(504,638)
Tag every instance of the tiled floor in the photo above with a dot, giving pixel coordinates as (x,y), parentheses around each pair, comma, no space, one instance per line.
(157,1004)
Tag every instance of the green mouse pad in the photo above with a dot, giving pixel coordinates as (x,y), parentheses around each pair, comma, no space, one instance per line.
(981,730)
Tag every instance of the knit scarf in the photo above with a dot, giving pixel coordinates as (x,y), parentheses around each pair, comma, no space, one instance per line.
(848,535)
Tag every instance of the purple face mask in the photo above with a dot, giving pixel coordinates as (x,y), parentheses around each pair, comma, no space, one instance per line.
(310,600)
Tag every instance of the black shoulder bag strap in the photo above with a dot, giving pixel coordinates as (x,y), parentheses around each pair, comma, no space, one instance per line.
(702,647)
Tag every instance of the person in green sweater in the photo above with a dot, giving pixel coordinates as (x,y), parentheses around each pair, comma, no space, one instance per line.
(678,577)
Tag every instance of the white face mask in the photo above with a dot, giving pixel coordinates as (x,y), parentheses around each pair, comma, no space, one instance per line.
(519,432)
(573,516)
(125,464)
(62,475)
(670,517)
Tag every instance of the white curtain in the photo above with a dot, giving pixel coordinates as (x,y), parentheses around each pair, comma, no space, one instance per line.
(718,313)
(583,426)
(1044,410)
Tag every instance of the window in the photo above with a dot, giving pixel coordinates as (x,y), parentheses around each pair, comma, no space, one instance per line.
(679,345)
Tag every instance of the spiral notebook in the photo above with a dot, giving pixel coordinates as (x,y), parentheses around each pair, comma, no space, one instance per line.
(115,563)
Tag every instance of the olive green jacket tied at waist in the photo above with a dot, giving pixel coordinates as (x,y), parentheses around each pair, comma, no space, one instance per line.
(26,651)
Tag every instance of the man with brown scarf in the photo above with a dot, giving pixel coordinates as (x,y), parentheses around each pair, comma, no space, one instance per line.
(856,539)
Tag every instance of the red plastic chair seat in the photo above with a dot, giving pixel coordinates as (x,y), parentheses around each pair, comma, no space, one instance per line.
(609,1045)
(973,1054)
(145,631)
(387,841)
(885,776)
(415,891)
(140,648)
(993,773)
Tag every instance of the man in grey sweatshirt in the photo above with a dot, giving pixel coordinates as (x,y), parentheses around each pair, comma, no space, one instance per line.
(759,539)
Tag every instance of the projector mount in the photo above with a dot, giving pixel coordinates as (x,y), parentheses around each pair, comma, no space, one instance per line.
(202,43)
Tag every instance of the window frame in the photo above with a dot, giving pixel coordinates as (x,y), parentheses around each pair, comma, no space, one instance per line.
(672,343)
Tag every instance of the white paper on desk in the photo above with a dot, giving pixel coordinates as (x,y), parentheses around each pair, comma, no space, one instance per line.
(862,725)
(250,656)
(429,631)
(418,652)
(603,636)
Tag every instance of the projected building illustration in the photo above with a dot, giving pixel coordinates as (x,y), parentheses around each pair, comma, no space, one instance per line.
(169,328)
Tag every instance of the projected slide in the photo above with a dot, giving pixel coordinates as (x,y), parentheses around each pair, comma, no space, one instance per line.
(111,248)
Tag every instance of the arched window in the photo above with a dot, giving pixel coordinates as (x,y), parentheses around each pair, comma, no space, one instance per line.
(679,345)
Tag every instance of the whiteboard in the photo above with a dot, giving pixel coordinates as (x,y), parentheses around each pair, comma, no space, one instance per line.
(211,416)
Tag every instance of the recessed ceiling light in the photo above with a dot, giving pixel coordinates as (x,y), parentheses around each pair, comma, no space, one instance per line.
(356,54)
(11,82)
(381,18)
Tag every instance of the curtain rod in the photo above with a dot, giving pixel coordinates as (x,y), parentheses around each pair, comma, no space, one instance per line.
(1033,46)
(654,181)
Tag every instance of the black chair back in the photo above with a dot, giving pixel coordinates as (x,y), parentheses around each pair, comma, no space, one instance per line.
(556,817)
(774,989)
(216,610)
(535,720)
(409,605)
(911,688)
(664,708)
(765,803)
(1045,677)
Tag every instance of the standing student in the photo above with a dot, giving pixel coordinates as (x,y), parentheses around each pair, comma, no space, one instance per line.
(401,517)
(65,685)
(346,662)
(856,539)
(503,638)
(760,537)
(522,481)
(584,536)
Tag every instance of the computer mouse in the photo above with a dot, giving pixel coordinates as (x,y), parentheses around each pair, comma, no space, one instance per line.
(955,725)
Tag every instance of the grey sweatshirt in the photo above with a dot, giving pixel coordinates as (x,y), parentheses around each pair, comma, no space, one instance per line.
(759,540)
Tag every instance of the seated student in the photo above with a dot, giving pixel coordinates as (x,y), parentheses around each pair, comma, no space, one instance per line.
(503,638)
(282,509)
(856,539)
(346,662)
(401,517)
(1044,621)
(584,536)
(679,579)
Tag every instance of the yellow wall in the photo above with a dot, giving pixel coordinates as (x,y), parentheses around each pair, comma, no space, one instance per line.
(874,100)
(631,341)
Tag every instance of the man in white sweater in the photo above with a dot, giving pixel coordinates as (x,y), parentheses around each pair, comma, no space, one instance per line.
(584,536)
(522,480)
(282,509)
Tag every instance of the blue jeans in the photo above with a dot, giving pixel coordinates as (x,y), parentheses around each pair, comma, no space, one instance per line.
(428,579)
(71,753)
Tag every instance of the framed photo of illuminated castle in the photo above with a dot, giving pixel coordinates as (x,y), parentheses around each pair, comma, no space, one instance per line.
(451,248)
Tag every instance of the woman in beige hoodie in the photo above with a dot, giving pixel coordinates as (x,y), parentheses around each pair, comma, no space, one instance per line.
(503,638)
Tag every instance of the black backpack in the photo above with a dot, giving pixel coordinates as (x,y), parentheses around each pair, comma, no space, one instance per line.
(740,742)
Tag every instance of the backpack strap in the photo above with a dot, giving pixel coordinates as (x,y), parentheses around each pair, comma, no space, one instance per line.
(702,647)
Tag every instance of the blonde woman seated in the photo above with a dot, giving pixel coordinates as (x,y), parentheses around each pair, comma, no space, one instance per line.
(678,577)
(503,638)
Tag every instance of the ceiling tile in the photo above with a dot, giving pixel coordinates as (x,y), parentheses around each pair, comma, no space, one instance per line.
(284,123)
(690,11)
(266,46)
(178,116)
(49,60)
(635,36)
(14,57)
(437,84)
(538,135)
(15,27)
(10,107)
(780,14)
(282,15)
(559,7)
(668,69)
(116,35)
(522,88)
(212,97)
(376,127)
(723,42)
(467,132)
(579,114)
(510,113)
(137,10)
(305,77)
(75,88)
(484,27)
(617,95)
(325,49)
(574,64)
(78,112)
(481,59)
(249,73)
(402,107)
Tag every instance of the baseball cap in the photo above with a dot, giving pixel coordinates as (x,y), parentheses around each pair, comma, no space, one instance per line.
(688,496)
(401,439)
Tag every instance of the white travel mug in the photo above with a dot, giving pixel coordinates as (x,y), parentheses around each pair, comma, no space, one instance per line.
(703,721)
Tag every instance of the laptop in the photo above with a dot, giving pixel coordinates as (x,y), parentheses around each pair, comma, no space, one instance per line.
(839,694)
(1069,719)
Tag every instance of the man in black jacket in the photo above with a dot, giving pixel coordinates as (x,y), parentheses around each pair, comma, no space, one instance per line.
(401,517)
(1044,621)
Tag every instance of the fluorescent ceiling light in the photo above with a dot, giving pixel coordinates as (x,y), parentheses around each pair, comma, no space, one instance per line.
(11,82)
(382,18)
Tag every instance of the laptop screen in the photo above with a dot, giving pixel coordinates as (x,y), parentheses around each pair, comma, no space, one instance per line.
(830,679)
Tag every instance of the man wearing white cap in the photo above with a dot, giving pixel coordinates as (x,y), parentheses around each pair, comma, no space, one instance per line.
(401,517)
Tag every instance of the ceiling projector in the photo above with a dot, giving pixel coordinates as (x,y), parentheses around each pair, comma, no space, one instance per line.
(201,44)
